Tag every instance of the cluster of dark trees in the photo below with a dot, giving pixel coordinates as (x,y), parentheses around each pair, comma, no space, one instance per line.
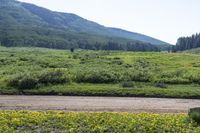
(114,45)
(184,43)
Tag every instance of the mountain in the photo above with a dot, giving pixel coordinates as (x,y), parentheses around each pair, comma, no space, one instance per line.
(23,24)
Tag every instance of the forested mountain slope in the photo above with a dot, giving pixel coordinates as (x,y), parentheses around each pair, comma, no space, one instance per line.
(23,24)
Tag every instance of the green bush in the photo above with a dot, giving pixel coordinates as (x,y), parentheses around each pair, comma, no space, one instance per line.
(117,61)
(142,76)
(35,79)
(179,76)
(143,71)
(195,78)
(23,82)
(160,84)
(27,83)
(98,76)
(53,77)
(194,114)
(128,84)
(176,80)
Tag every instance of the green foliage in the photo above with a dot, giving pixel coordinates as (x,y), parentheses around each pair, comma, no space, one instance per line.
(195,78)
(52,70)
(140,89)
(143,71)
(72,50)
(34,80)
(185,43)
(53,77)
(193,51)
(194,114)
(160,85)
(23,82)
(128,84)
(117,61)
(98,76)
(98,122)
(141,76)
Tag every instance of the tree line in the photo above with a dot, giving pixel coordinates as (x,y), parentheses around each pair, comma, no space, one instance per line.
(49,38)
(184,43)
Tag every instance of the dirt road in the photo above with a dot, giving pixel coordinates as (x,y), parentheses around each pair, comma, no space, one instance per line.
(117,104)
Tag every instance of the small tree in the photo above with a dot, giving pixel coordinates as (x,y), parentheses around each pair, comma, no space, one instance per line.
(72,50)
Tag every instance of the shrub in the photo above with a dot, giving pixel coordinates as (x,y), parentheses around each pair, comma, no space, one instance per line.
(14,81)
(176,80)
(53,77)
(160,84)
(23,82)
(142,76)
(34,80)
(98,76)
(179,76)
(117,61)
(143,71)
(194,114)
(195,78)
(27,83)
(127,84)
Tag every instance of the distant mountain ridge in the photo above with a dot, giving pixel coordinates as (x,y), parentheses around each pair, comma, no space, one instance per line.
(80,24)
(40,23)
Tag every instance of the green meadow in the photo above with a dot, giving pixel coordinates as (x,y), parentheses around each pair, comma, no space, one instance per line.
(39,71)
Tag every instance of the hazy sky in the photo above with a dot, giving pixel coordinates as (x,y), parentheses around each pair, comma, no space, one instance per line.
(163,19)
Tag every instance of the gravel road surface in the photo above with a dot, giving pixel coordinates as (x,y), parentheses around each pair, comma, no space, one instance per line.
(111,104)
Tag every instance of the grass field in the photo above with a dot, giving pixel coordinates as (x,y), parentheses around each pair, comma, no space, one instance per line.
(32,121)
(193,51)
(99,73)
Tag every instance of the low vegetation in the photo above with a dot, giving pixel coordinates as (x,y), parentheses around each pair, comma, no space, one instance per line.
(194,114)
(34,80)
(193,51)
(32,121)
(99,73)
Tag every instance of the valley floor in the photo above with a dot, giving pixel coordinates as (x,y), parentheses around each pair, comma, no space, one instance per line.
(39,71)
(107,104)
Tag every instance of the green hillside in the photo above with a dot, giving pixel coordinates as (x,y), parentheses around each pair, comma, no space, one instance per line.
(23,24)
(76,23)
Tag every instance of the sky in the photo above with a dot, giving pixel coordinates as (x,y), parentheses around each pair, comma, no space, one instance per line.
(166,20)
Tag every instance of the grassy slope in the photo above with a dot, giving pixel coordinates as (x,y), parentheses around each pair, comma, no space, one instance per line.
(25,60)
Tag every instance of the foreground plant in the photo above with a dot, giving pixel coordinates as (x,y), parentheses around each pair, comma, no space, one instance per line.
(32,121)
